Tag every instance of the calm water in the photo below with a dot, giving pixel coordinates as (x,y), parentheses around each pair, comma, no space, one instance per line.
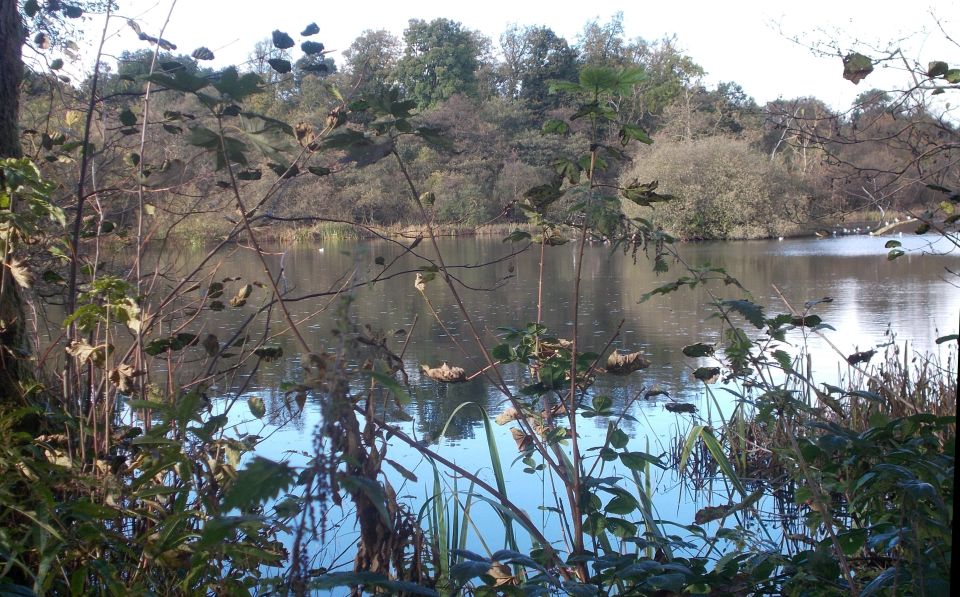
(872,297)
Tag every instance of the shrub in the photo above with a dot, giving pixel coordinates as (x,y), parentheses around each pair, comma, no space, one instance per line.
(724,188)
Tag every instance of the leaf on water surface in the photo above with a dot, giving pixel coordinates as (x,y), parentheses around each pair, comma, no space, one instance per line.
(444,373)
(625,364)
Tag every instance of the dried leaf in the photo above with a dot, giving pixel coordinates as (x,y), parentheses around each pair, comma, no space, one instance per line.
(506,416)
(122,378)
(445,373)
(524,440)
(625,364)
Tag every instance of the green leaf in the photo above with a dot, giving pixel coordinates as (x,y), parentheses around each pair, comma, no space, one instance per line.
(749,310)
(707,374)
(630,132)
(274,138)
(181,80)
(237,87)
(892,244)
(516,235)
(950,338)
(638,461)
(72,12)
(598,77)
(257,408)
(394,386)
(555,127)
(953,76)
(623,503)
(619,439)
(281,40)
(310,29)
(56,64)
(261,480)
(372,490)
(698,350)
(318,170)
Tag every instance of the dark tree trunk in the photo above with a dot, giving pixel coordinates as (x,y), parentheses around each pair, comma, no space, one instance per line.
(12,314)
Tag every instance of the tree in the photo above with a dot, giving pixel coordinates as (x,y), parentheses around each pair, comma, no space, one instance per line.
(603,44)
(534,56)
(12,314)
(372,58)
(440,59)
(669,73)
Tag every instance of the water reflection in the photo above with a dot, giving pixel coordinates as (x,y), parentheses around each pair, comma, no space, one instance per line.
(872,295)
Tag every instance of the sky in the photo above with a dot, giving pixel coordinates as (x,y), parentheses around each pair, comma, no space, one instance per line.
(749,42)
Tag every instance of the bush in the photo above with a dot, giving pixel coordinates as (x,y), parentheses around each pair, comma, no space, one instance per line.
(724,188)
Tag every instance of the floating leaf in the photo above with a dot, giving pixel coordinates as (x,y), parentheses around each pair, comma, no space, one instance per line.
(707,374)
(445,373)
(625,364)
(698,350)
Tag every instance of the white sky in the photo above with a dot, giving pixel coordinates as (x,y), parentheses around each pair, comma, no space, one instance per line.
(734,40)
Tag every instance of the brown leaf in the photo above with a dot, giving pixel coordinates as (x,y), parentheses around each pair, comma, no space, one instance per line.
(625,364)
(524,440)
(122,378)
(445,373)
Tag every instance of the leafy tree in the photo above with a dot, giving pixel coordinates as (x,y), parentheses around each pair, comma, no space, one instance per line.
(372,58)
(669,73)
(603,44)
(534,56)
(440,59)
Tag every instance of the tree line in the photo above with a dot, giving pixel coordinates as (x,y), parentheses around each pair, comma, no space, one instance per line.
(736,168)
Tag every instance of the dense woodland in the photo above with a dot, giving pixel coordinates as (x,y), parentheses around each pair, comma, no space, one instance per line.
(737,169)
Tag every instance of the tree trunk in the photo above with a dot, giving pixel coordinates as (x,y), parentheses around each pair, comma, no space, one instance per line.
(12,314)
